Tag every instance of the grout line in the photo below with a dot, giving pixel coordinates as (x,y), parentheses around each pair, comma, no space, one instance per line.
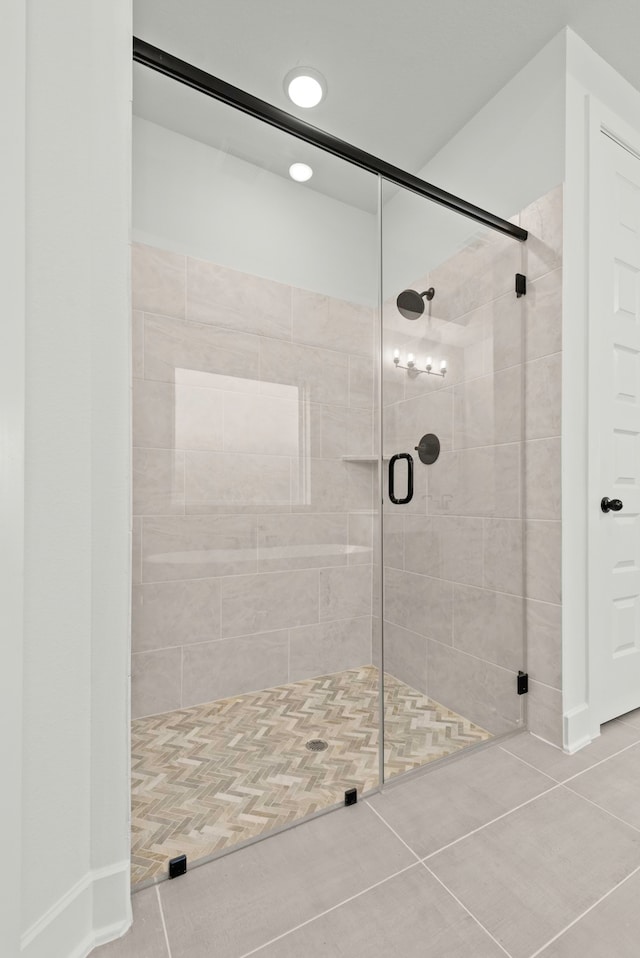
(141,560)
(288,340)
(601,762)
(250,635)
(603,809)
(470,913)
(498,818)
(393,831)
(367,460)
(621,720)
(220,604)
(546,741)
(470,655)
(577,774)
(164,926)
(186,287)
(529,765)
(584,913)
(328,910)
(219,453)
(184,480)
(544,685)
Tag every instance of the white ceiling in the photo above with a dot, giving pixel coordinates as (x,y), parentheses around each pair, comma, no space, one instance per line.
(403,75)
(183,110)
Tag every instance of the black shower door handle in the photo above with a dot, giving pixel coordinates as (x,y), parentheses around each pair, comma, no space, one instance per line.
(392,483)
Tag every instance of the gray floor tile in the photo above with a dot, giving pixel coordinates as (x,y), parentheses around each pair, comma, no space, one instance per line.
(446,803)
(631,718)
(228,907)
(558,765)
(410,915)
(145,939)
(615,785)
(611,930)
(528,875)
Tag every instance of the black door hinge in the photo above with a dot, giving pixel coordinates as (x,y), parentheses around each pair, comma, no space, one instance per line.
(521,285)
(523,683)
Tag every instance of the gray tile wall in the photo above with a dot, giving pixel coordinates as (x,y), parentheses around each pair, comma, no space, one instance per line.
(252,532)
(474,561)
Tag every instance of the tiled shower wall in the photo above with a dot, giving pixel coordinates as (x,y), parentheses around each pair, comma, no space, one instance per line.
(475,557)
(252,401)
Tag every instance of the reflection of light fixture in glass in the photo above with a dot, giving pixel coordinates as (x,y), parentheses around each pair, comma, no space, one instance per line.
(305,86)
(412,368)
(301,172)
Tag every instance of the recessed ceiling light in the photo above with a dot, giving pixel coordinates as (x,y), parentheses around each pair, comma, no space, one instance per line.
(305,86)
(300,172)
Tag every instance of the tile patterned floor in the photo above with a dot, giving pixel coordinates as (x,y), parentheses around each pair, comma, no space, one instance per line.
(516,850)
(208,777)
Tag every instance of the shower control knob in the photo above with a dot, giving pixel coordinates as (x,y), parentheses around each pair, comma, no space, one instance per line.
(611,505)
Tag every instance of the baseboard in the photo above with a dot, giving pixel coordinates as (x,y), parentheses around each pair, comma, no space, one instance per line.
(577,728)
(95,910)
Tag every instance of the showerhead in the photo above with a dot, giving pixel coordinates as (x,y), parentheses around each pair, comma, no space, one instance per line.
(411,303)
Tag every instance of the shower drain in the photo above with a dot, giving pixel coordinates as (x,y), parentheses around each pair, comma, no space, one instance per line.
(316,745)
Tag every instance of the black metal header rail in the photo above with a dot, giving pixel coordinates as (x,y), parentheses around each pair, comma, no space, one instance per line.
(192,76)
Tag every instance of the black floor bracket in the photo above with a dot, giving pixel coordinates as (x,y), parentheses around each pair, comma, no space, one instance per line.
(351,796)
(177,866)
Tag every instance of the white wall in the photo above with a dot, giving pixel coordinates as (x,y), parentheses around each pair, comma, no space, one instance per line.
(510,154)
(191,198)
(588,77)
(74,887)
(512,151)
(12,386)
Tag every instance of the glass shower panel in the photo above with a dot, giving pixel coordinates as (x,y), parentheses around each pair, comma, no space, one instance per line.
(256,332)
(453,550)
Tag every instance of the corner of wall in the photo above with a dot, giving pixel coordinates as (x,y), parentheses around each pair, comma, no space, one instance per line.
(88,915)
(512,151)
(110,887)
(73,890)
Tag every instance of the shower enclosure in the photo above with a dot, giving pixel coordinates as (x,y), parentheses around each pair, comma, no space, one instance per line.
(328,495)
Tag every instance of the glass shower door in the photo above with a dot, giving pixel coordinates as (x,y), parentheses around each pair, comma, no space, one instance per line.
(453,545)
(255,672)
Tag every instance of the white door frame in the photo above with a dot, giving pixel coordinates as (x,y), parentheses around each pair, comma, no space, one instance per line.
(600,120)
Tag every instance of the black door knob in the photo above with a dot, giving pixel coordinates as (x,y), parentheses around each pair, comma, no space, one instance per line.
(611,505)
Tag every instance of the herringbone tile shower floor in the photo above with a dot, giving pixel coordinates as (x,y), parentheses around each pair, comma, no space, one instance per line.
(210,776)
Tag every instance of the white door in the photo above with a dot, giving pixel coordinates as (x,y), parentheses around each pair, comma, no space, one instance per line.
(614,394)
